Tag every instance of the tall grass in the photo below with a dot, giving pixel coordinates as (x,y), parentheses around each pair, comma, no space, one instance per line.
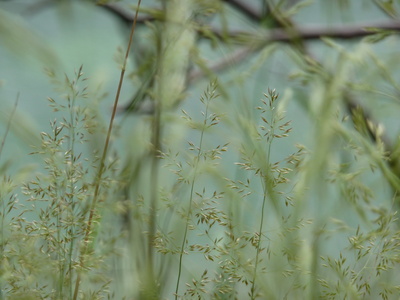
(201,245)
(214,203)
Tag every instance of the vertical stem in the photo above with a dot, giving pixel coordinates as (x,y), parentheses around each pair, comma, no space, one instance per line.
(258,244)
(178,38)
(151,281)
(3,208)
(176,41)
(266,182)
(86,240)
(70,170)
(191,200)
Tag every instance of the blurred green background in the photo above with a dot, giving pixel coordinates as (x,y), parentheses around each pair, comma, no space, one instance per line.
(63,35)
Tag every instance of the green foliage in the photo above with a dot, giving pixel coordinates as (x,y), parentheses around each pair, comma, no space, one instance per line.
(40,242)
(218,200)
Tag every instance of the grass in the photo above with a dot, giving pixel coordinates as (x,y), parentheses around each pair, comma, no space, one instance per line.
(203,240)
(217,204)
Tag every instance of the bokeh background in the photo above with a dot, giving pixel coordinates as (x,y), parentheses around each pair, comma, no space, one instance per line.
(63,35)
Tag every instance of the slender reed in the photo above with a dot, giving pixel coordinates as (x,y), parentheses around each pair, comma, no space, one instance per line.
(103,157)
(266,175)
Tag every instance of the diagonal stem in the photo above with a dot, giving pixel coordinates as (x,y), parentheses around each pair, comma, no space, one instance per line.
(100,172)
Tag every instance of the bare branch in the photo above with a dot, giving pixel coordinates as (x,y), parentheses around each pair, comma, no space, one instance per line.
(312,33)
(222,64)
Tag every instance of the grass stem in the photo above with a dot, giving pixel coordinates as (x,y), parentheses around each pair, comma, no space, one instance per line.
(103,157)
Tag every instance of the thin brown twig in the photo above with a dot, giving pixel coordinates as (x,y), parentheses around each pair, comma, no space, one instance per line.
(312,33)
(99,176)
(234,58)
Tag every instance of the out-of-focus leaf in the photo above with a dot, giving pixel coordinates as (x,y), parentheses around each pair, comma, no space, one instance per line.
(387,7)
(375,38)
(21,40)
(379,35)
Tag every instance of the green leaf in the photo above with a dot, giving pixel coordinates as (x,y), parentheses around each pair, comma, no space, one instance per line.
(387,7)
(375,38)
